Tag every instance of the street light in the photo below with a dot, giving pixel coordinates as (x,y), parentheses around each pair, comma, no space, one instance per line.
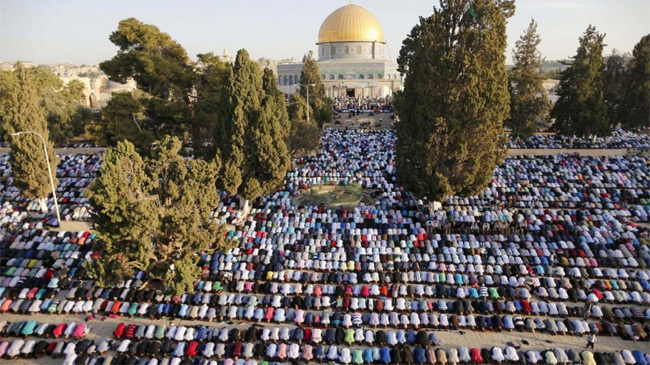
(308,85)
(49,170)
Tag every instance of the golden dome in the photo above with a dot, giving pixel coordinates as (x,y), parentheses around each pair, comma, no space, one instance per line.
(351,23)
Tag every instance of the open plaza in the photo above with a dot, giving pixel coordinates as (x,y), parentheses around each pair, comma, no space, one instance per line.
(554,251)
(432,206)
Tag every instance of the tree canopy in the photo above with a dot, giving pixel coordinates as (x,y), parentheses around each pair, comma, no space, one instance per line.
(303,138)
(211,76)
(250,132)
(153,215)
(615,80)
(635,109)
(162,70)
(122,119)
(455,99)
(156,62)
(581,109)
(320,106)
(528,101)
(180,97)
(22,113)
(60,103)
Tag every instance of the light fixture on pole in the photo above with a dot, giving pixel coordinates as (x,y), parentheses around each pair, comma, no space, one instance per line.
(308,108)
(49,170)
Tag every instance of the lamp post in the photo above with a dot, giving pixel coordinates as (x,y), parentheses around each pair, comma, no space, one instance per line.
(308,107)
(49,170)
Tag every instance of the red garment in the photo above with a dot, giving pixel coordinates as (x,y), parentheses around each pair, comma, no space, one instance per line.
(348,290)
(237,348)
(598,294)
(191,349)
(475,354)
(383,290)
(58,330)
(269,313)
(116,307)
(130,331)
(365,291)
(379,305)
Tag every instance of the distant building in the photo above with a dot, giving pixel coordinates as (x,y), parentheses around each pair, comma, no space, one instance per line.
(98,89)
(350,57)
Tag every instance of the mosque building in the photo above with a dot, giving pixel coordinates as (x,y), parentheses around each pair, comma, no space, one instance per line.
(351,57)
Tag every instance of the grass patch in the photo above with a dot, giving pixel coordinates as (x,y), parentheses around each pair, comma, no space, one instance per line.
(336,195)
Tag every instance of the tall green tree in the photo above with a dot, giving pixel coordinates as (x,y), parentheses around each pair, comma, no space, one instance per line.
(635,109)
(121,119)
(22,113)
(298,108)
(455,98)
(161,68)
(303,138)
(581,109)
(212,73)
(157,63)
(153,215)
(250,132)
(615,79)
(8,86)
(529,104)
(61,103)
(320,105)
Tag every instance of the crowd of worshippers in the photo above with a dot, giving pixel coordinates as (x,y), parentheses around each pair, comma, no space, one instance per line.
(74,173)
(619,139)
(159,344)
(363,105)
(561,254)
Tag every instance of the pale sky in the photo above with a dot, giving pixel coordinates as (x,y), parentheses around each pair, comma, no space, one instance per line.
(57,31)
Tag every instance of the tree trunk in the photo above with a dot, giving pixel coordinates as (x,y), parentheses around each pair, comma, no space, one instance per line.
(42,202)
(244,208)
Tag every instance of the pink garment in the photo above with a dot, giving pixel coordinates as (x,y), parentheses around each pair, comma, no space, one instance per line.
(79,331)
(269,313)
(300,316)
(282,351)
(307,352)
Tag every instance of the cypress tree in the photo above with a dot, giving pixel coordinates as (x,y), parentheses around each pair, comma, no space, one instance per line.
(581,109)
(320,105)
(251,130)
(23,113)
(528,101)
(615,79)
(269,151)
(455,99)
(635,110)
(153,215)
